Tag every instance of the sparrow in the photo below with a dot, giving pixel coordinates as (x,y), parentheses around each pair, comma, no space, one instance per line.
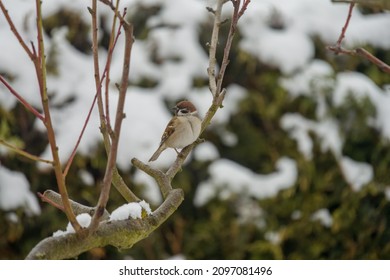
(182,130)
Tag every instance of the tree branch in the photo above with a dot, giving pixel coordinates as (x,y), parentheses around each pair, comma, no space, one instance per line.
(107,180)
(54,199)
(361,52)
(121,234)
(211,70)
(162,180)
(104,75)
(238,11)
(39,61)
(345,27)
(117,180)
(21,99)
(113,40)
(40,68)
(15,31)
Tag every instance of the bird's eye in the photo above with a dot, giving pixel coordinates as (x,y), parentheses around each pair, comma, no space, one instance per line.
(184,111)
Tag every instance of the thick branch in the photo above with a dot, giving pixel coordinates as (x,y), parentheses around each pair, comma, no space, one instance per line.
(121,234)
(161,179)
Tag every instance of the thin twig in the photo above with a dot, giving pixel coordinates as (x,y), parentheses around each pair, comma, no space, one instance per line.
(15,31)
(337,48)
(51,202)
(24,153)
(23,101)
(345,27)
(73,154)
(243,8)
(211,70)
(361,52)
(104,76)
(54,199)
(365,54)
(237,13)
(117,180)
(40,68)
(113,40)
(111,162)
(39,61)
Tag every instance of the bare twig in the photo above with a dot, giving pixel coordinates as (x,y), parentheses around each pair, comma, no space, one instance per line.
(117,180)
(15,31)
(70,160)
(361,52)
(111,163)
(238,11)
(105,75)
(55,204)
(365,54)
(211,70)
(384,4)
(243,8)
(22,100)
(113,40)
(40,67)
(24,153)
(38,58)
(216,81)
(345,27)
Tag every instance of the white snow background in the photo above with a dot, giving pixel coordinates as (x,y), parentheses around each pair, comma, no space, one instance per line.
(290,49)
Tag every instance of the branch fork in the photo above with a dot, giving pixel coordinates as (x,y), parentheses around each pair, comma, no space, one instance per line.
(361,52)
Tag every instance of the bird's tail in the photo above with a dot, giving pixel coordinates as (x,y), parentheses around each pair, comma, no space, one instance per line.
(157,154)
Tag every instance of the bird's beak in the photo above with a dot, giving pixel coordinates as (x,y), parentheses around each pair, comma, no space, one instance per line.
(174,110)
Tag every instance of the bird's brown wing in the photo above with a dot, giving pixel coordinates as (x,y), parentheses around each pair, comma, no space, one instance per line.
(170,129)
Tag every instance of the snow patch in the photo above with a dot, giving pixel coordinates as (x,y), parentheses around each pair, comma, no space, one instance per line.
(131,210)
(228,178)
(15,192)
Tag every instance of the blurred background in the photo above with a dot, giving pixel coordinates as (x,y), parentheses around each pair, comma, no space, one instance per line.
(295,166)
